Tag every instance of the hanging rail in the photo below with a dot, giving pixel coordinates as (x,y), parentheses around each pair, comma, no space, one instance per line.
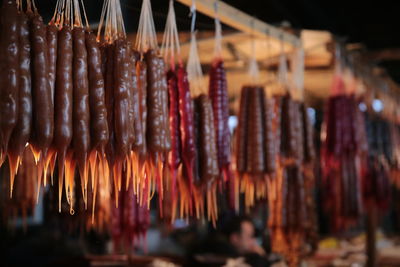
(237,19)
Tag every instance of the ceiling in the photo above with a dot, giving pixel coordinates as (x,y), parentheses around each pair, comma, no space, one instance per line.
(375,24)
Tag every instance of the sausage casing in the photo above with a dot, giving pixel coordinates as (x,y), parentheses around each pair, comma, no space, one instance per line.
(43,108)
(98,111)
(207,142)
(63,128)
(51,36)
(121,97)
(9,71)
(22,131)
(81,110)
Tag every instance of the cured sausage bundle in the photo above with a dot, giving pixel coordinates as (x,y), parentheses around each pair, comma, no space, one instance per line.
(256,138)
(341,156)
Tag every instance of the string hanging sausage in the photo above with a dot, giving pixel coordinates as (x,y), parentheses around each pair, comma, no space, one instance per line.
(9,73)
(63,129)
(21,133)
(81,111)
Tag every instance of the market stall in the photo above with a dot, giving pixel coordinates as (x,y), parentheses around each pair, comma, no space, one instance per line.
(145,141)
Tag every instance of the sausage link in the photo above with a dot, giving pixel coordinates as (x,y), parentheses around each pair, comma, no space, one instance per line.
(186,122)
(241,134)
(269,142)
(219,96)
(157,103)
(207,142)
(174,156)
(109,63)
(121,97)
(98,111)
(141,73)
(81,110)
(51,36)
(164,103)
(43,108)
(255,149)
(22,131)
(63,129)
(9,71)
(134,104)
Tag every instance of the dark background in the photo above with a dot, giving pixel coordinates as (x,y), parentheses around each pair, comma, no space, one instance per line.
(373,23)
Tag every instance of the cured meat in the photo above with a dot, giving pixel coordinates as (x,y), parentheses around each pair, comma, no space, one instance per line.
(43,109)
(141,72)
(81,110)
(51,36)
(157,129)
(21,133)
(255,144)
(269,134)
(98,111)
(9,72)
(186,124)
(109,99)
(121,98)
(63,100)
(174,156)
(206,147)
(134,110)
(241,138)
(219,96)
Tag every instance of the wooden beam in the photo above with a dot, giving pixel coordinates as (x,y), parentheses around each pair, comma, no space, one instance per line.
(242,21)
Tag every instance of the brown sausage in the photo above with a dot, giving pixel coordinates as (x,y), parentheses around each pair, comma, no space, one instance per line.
(22,131)
(9,71)
(155,121)
(80,110)
(98,111)
(43,109)
(207,148)
(141,72)
(134,103)
(241,134)
(51,36)
(108,62)
(121,97)
(255,149)
(63,129)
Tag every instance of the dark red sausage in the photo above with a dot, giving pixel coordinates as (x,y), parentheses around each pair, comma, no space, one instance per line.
(51,36)
(269,138)
(164,103)
(121,97)
(22,131)
(141,73)
(63,129)
(241,134)
(98,111)
(174,156)
(43,109)
(186,121)
(219,96)
(80,110)
(9,71)
(207,142)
